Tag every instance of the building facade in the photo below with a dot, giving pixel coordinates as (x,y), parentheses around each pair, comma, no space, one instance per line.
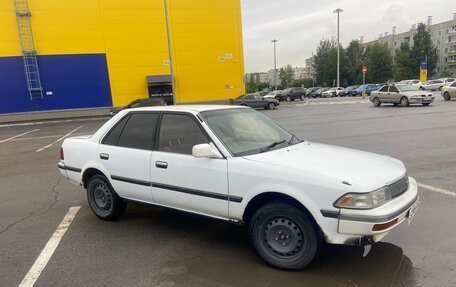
(443,36)
(71,54)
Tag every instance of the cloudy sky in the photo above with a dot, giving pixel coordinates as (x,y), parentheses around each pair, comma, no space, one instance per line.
(300,24)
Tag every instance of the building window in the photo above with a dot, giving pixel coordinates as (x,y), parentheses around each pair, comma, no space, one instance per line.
(446,50)
(440,32)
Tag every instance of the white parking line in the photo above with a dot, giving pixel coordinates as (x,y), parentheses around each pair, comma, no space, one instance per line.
(51,136)
(8,139)
(51,144)
(436,189)
(43,259)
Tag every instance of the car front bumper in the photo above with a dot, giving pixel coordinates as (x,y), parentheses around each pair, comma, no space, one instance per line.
(422,100)
(362,227)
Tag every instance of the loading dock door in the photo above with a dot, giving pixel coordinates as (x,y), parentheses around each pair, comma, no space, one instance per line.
(160,86)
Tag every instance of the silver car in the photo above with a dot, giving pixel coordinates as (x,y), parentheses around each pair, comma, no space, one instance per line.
(432,85)
(403,95)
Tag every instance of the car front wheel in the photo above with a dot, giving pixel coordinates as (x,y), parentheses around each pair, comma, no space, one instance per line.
(284,237)
(405,102)
(103,200)
(271,106)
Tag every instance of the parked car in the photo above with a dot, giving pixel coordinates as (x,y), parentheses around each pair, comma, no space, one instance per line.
(292,94)
(448,81)
(256,101)
(332,92)
(273,94)
(348,91)
(235,164)
(449,92)
(432,85)
(403,95)
(317,93)
(411,82)
(146,102)
(311,90)
(369,89)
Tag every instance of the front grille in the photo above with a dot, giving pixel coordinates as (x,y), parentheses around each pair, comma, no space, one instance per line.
(398,187)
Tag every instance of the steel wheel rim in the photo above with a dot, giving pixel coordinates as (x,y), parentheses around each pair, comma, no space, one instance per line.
(271,106)
(102,197)
(282,237)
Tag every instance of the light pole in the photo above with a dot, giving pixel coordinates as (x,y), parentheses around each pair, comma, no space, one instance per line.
(168,33)
(275,63)
(338,11)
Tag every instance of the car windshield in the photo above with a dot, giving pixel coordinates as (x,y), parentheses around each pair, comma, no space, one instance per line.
(246,132)
(407,88)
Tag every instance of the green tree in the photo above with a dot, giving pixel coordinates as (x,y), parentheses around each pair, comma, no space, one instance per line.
(404,67)
(319,59)
(286,75)
(423,49)
(330,68)
(379,63)
(263,86)
(252,84)
(355,58)
(445,73)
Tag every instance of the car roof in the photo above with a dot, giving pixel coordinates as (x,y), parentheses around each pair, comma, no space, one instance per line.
(188,108)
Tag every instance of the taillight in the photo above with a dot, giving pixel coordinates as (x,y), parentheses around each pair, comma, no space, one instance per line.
(61,154)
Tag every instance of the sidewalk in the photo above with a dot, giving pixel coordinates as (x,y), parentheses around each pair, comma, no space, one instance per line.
(53,115)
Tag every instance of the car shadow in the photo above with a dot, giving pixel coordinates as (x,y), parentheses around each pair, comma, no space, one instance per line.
(220,253)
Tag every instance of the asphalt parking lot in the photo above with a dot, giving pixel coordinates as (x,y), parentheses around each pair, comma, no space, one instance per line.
(156,247)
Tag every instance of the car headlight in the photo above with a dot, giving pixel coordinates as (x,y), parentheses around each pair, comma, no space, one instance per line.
(368,200)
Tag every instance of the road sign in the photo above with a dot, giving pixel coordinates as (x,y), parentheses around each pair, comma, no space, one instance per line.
(364,70)
(423,65)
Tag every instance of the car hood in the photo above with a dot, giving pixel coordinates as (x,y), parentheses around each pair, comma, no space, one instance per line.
(364,171)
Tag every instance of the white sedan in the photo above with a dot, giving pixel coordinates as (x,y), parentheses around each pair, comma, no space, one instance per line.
(432,85)
(235,164)
(403,95)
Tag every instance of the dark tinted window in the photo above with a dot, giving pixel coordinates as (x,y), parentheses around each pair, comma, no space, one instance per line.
(393,89)
(384,89)
(179,133)
(139,131)
(113,136)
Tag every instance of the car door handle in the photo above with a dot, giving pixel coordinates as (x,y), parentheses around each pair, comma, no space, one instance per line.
(161,164)
(104,156)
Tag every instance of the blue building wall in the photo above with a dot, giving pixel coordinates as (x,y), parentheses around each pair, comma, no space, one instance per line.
(76,81)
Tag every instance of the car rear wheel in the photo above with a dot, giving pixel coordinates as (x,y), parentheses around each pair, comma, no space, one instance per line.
(446,96)
(376,102)
(283,236)
(103,200)
(288,99)
(404,102)
(271,106)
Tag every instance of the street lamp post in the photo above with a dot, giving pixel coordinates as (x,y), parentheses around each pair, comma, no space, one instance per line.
(275,63)
(170,52)
(338,11)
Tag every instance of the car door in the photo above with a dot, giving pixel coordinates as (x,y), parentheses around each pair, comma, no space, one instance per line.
(258,101)
(383,94)
(182,181)
(452,90)
(125,153)
(393,95)
(249,100)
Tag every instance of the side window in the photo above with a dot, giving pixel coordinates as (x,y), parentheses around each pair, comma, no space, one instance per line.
(258,97)
(393,89)
(113,136)
(179,133)
(384,89)
(454,84)
(248,97)
(139,131)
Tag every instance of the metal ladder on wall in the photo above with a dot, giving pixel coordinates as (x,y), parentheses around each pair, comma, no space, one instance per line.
(32,73)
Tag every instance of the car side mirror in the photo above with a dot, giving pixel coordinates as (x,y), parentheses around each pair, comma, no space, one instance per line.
(205,151)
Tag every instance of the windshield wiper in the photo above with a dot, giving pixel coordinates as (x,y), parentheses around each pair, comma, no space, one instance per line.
(272,145)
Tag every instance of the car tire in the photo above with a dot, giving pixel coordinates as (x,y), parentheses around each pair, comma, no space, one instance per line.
(405,102)
(271,106)
(288,99)
(376,102)
(103,200)
(284,237)
(446,96)
(426,104)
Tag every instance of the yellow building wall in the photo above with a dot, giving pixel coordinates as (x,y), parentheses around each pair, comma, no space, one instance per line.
(206,37)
